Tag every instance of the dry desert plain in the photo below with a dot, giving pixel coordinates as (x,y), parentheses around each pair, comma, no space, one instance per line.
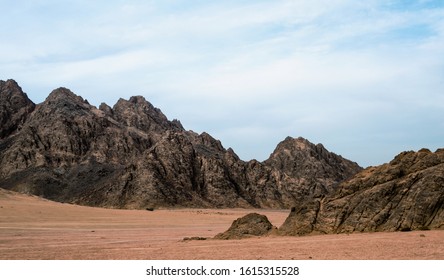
(35,228)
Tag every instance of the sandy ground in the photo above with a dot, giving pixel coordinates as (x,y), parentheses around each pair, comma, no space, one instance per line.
(34,228)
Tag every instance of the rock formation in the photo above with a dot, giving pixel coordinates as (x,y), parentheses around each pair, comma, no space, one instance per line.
(405,194)
(132,156)
(252,224)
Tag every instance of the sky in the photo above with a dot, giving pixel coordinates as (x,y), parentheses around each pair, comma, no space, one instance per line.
(364,78)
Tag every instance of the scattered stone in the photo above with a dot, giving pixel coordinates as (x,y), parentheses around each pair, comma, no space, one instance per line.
(194,238)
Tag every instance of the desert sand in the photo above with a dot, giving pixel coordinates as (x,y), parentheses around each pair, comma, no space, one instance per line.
(35,228)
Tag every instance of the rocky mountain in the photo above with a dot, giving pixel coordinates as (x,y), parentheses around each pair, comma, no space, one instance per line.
(131,156)
(405,194)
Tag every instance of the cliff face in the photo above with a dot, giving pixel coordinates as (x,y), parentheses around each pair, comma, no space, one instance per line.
(405,194)
(132,156)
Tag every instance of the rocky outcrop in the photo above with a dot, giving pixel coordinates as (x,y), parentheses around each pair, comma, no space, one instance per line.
(132,156)
(250,225)
(405,194)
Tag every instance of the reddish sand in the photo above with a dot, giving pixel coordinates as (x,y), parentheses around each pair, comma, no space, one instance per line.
(34,228)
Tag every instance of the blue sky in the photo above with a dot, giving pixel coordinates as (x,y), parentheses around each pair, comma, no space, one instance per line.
(365,78)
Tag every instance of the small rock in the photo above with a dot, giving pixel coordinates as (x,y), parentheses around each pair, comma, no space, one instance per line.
(194,238)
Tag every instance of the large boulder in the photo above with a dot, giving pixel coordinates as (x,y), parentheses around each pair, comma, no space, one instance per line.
(250,225)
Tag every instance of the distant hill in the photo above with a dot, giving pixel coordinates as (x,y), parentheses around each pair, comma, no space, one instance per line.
(131,156)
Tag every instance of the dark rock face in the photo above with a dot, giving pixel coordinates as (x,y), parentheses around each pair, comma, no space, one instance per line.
(252,224)
(405,194)
(132,156)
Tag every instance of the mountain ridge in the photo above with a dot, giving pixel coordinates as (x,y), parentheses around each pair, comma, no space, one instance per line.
(132,156)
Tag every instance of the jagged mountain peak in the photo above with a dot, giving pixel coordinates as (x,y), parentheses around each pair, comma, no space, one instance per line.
(139,105)
(138,99)
(299,143)
(106,109)
(63,94)
(10,90)
(209,140)
(290,143)
(10,83)
(15,107)
(138,112)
